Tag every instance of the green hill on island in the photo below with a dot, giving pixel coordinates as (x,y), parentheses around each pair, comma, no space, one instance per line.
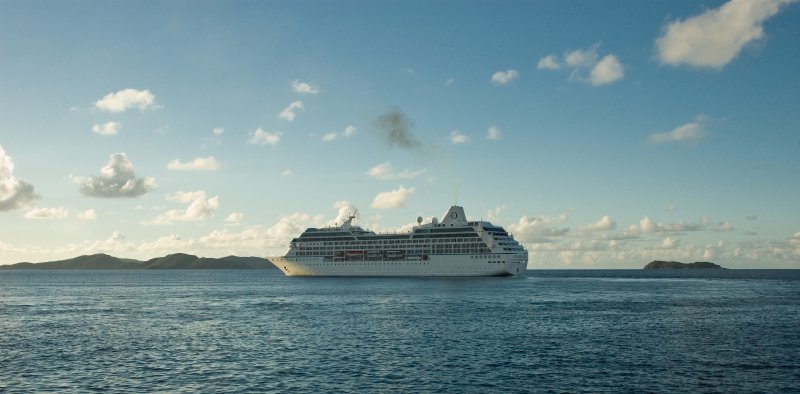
(172,261)
(658,264)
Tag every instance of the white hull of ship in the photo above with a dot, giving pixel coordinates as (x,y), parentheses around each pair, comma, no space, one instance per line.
(436,265)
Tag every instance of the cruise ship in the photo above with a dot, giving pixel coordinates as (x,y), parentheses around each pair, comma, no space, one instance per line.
(453,246)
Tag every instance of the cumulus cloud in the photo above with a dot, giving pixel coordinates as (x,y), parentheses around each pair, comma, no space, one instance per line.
(607,70)
(108,128)
(392,199)
(290,112)
(47,213)
(261,137)
(587,66)
(198,164)
(199,208)
(715,37)
(15,193)
(88,214)
(582,58)
(234,219)
(386,172)
(648,226)
(287,173)
(505,77)
(256,239)
(457,137)
(303,87)
(724,227)
(604,224)
(217,131)
(125,99)
(539,230)
(493,133)
(348,132)
(117,179)
(690,133)
(549,62)
(344,210)
(669,243)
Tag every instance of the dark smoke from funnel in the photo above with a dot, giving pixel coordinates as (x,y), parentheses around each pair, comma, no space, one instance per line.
(395,128)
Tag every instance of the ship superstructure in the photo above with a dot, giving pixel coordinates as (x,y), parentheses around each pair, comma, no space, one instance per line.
(453,246)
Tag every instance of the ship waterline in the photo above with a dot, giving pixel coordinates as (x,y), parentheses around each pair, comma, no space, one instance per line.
(452,247)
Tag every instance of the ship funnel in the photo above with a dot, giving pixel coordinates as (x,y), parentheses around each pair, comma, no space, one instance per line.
(455,217)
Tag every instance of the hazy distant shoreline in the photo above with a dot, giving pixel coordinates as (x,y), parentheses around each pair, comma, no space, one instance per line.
(172,261)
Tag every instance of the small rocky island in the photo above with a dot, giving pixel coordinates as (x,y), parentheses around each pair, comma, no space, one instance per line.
(661,265)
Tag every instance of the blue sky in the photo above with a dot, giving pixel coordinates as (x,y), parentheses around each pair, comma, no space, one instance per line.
(602,134)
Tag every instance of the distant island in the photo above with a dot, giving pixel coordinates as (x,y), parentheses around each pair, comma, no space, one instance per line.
(660,265)
(172,261)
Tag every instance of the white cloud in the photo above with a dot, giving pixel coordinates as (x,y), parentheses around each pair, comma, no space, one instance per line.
(392,199)
(669,243)
(303,87)
(198,164)
(328,137)
(125,99)
(456,137)
(724,227)
(348,132)
(218,131)
(715,37)
(88,214)
(505,77)
(385,172)
(648,226)
(15,193)
(582,58)
(539,230)
(604,224)
(608,70)
(287,173)
(199,208)
(234,218)
(289,113)
(689,133)
(493,133)
(47,213)
(549,62)
(345,209)
(585,66)
(117,179)
(260,137)
(108,128)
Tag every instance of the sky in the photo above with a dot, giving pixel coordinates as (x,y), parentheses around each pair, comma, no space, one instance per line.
(600,134)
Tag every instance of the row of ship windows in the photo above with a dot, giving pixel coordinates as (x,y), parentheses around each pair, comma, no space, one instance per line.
(362,244)
(381,247)
(412,252)
(381,238)
(373,263)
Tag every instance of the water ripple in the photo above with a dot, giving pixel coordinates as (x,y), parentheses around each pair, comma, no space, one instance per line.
(246,331)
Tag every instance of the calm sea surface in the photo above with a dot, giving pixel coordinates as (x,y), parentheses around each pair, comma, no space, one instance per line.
(258,331)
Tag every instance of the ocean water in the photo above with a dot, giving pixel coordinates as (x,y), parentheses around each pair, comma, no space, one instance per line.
(258,331)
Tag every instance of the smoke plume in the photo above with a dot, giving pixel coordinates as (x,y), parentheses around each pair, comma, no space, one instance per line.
(395,128)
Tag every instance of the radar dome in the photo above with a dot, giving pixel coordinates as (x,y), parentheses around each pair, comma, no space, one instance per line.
(419,219)
(435,221)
